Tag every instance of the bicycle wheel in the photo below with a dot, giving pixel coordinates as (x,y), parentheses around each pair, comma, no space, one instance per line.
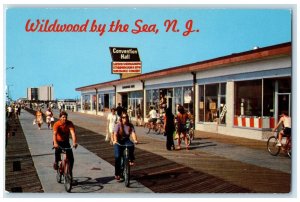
(158,131)
(126,171)
(147,128)
(289,149)
(188,139)
(58,173)
(191,132)
(67,178)
(271,145)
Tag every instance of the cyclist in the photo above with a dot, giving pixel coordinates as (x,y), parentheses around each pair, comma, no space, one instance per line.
(153,116)
(181,126)
(122,132)
(61,133)
(285,120)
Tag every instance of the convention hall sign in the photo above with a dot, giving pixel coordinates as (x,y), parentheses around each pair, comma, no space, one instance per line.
(125,61)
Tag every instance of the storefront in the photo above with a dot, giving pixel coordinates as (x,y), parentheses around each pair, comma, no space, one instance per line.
(240,94)
(170,92)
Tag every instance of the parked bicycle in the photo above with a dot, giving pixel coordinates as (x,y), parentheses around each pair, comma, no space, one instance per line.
(125,166)
(286,147)
(63,171)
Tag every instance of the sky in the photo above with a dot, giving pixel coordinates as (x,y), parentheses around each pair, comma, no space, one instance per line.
(68,60)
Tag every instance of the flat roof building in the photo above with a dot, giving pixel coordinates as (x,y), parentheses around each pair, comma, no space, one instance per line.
(241,94)
(42,93)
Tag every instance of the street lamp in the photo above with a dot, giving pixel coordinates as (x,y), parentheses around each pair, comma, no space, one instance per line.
(8,92)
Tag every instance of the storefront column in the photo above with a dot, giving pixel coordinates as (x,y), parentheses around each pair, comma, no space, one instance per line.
(91,103)
(230,103)
(81,103)
(97,101)
(196,103)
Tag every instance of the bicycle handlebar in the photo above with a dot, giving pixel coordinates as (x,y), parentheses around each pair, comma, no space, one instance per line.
(125,145)
(63,148)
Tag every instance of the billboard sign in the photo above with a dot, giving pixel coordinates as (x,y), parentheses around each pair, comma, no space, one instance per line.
(125,60)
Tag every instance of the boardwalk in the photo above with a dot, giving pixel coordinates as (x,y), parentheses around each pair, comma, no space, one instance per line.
(214,164)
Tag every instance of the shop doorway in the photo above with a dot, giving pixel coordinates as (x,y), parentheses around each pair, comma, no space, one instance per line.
(136,106)
(284,103)
(124,102)
(106,101)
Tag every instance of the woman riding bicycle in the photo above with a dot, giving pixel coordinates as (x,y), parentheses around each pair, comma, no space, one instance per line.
(122,132)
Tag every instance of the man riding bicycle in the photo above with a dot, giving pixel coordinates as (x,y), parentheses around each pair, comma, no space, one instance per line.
(286,122)
(152,117)
(61,133)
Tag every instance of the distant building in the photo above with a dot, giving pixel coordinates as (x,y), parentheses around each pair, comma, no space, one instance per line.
(42,93)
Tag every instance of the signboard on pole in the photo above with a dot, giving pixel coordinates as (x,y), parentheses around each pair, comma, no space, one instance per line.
(125,61)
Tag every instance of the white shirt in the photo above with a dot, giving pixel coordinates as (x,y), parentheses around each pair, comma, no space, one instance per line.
(153,114)
(287,122)
(112,120)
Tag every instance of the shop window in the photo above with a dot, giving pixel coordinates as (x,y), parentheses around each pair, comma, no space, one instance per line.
(101,102)
(248,98)
(201,103)
(152,99)
(269,97)
(177,98)
(111,100)
(86,102)
(188,99)
(212,103)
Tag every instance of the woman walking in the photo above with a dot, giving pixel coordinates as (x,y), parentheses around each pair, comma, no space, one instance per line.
(39,118)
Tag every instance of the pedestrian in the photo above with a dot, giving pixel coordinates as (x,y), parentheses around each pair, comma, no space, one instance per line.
(169,127)
(10,111)
(112,120)
(49,115)
(139,121)
(16,108)
(181,126)
(119,109)
(129,112)
(39,118)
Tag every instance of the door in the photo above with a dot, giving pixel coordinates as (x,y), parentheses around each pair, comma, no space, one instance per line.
(284,103)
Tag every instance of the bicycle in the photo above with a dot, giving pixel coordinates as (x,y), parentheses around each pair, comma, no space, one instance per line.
(64,170)
(286,147)
(154,126)
(125,167)
(189,131)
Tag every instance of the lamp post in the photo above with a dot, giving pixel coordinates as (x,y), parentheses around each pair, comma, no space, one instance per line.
(7,86)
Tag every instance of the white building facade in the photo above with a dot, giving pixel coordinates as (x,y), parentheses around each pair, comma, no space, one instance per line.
(42,93)
(240,94)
